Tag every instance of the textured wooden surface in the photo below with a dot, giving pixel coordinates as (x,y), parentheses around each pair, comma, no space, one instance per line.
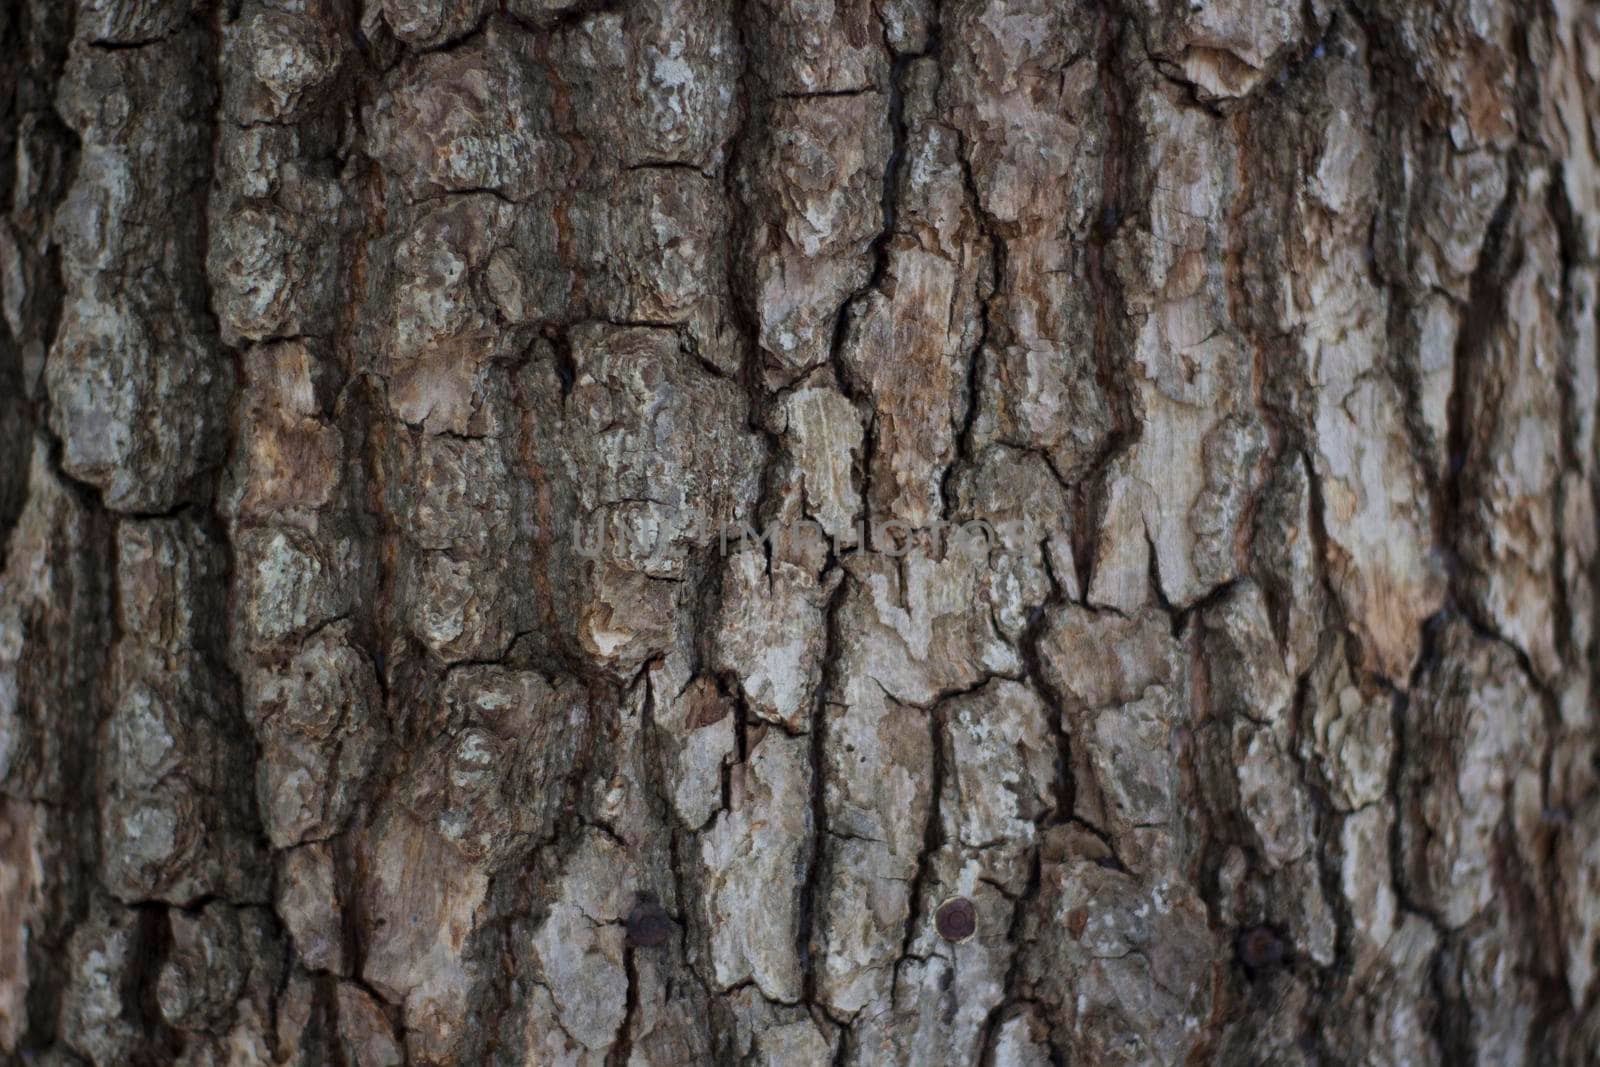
(378,684)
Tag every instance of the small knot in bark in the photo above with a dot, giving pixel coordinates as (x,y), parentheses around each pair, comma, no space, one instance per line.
(1260,947)
(649,925)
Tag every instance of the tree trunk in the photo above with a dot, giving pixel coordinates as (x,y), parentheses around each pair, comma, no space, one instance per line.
(753,531)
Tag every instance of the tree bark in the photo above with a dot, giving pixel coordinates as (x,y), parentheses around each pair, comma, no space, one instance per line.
(1164,439)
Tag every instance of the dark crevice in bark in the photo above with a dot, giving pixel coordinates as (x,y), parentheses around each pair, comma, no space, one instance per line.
(1021,909)
(844,1043)
(1173,76)
(1326,825)
(1483,314)
(621,1052)
(823,94)
(741,300)
(816,860)
(859,392)
(573,15)
(1028,646)
(40,52)
(1316,509)
(1109,308)
(160,1042)
(211,518)
(1446,1037)
(933,840)
(1500,260)
(964,434)
(47,312)
(1571,463)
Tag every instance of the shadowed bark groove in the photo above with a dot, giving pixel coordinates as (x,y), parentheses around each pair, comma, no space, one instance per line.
(564,532)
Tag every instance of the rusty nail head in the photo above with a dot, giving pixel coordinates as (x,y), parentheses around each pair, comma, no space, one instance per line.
(956,919)
(649,925)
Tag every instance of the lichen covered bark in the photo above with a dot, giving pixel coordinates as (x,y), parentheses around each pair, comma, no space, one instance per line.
(866,532)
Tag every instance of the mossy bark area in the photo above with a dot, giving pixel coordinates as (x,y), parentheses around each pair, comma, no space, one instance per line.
(378,686)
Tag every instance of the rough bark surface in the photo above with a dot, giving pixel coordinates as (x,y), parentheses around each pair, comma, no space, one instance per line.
(378,379)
